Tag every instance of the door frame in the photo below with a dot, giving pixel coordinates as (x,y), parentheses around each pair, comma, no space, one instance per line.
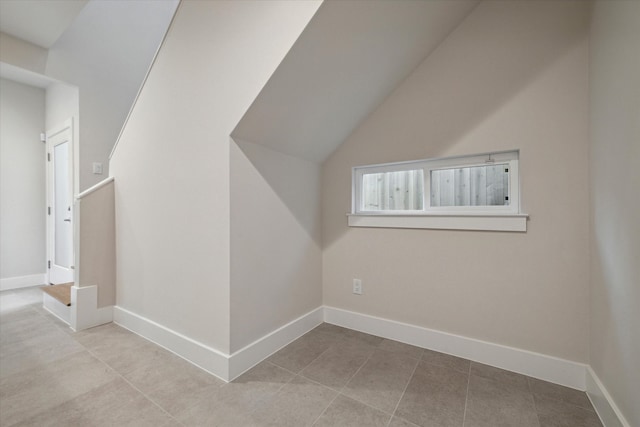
(66,125)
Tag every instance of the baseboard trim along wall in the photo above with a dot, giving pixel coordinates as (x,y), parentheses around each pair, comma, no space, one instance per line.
(224,366)
(22,281)
(208,358)
(227,367)
(249,356)
(601,400)
(548,368)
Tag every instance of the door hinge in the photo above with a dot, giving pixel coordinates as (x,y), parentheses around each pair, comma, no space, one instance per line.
(48,264)
(48,157)
(48,210)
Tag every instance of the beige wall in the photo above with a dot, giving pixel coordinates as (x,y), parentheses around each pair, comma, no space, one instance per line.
(172,162)
(22,180)
(615,201)
(276,255)
(22,54)
(97,245)
(512,76)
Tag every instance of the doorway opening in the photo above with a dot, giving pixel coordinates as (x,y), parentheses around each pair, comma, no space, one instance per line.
(60,221)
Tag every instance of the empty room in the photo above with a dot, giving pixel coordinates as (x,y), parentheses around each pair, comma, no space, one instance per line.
(320,213)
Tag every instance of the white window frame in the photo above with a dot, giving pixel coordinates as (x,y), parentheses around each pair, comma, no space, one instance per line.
(498,218)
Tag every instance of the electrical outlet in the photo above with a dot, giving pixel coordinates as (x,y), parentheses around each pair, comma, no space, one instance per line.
(357,286)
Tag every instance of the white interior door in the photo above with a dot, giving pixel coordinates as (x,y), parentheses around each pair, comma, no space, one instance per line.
(60,203)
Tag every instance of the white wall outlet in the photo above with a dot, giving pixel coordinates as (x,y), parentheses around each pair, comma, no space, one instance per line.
(357,286)
(97,168)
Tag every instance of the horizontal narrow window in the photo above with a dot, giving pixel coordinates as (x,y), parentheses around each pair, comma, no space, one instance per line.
(475,184)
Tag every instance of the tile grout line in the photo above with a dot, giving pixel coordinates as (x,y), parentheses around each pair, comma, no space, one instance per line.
(222,386)
(325,409)
(404,391)
(356,372)
(338,392)
(345,385)
(277,392)
(320,355)
(130,384)
(308,364)
(149,399)
(341,390)
(466,397)
(535,405)
(92,354)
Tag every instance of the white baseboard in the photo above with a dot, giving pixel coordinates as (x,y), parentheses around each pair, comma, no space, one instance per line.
(227,367)
(224,366)
(22,282)
(548,368)
(604,405)
(55,307)
(85,312)
(249,356)
(201,355)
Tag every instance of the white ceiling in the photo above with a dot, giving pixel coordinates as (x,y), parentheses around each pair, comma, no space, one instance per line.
(346,62)
(40,22)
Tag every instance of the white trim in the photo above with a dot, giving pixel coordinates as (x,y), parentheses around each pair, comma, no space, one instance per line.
(57,274)
(55,307)
(224,366)
(517,222)
(509,158)
(85,312)
(548,368)
(67,124)
(19,282)
(227,367)
(461,159)
(249,356)
(602,402)
(95,187)
(201,355)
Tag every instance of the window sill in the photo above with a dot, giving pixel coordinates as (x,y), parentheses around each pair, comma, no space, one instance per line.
(484,222)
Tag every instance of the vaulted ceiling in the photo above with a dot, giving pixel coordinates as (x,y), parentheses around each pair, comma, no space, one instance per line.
(345,63)
(350,57)
(38,21)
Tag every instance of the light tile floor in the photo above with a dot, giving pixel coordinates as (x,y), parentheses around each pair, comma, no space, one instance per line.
(107,376)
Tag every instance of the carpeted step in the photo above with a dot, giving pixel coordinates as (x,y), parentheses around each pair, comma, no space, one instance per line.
(60,292)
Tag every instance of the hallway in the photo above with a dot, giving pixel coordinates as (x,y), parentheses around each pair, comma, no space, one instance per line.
(329,377)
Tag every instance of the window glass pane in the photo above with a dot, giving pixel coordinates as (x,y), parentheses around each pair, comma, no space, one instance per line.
(401,190)
(486,185)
